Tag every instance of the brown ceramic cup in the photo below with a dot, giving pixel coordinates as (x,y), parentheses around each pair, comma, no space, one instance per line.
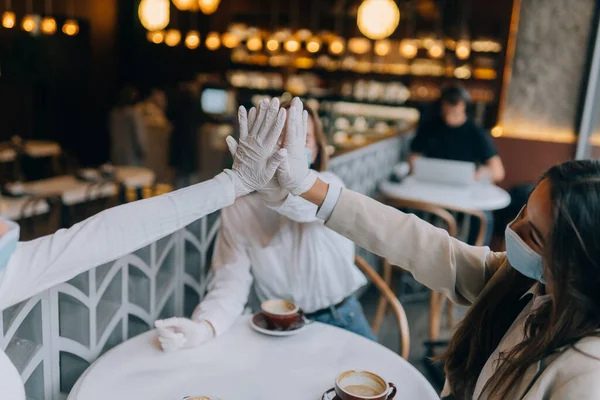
(280,313)
(363,385)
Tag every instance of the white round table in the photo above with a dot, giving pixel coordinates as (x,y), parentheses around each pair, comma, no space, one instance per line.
(479,197)
(135,177)
(245,365)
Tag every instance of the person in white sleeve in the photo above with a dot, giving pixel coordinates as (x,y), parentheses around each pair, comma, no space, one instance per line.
(28,268)
(276,240)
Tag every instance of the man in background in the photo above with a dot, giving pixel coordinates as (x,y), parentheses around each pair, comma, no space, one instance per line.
(452,135)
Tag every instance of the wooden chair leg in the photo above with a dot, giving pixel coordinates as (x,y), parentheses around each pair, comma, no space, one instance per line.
(435,315)
(450,314)
(382,306)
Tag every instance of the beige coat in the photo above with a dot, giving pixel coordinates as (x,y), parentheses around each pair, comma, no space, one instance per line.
(463,273)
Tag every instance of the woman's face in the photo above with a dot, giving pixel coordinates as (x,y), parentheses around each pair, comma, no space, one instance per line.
(311,139)
(535,222)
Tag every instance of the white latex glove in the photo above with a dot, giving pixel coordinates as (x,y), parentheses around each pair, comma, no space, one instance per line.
(272,193)
(294,174)
(256,157)
(182,333)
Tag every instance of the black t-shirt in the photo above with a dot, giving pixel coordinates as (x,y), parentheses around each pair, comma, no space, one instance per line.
(468,142)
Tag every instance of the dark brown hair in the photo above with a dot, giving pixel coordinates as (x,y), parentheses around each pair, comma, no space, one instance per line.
(571,262)
(322,159)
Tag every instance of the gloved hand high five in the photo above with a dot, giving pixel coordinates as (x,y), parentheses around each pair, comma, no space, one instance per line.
(272,192)
(255,157)
(294,174)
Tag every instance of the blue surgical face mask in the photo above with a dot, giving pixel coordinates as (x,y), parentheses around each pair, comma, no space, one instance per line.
(308,153)
(8,242)
(522,257)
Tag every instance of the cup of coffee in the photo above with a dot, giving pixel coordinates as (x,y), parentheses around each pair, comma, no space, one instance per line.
(363,385)
(280,313)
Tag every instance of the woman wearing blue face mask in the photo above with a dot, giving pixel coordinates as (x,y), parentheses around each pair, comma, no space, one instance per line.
(275,241)
(28,268)
(533,329)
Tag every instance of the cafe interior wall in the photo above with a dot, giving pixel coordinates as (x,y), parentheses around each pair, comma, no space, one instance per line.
(543,100)
(58,87)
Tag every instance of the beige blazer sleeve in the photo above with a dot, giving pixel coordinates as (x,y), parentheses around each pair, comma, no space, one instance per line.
(435,259)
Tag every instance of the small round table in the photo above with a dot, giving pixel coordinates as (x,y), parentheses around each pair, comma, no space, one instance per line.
(480,197)
(243,364)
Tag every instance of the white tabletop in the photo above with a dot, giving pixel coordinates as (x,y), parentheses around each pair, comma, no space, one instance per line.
(12,207)
(70,189)
(480,197)
(245,365)
(135,177)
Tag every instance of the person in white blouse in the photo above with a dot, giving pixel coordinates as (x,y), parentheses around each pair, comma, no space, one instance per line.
(276,241)
(28,268)
(533,328)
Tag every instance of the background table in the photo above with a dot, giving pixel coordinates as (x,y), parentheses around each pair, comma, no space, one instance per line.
(245,365)
(481,197)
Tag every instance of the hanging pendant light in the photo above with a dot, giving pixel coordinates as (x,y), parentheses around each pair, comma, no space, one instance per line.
(30,22)
(292,45)
(154,14)
(9,19)
(208,6)
(185,5)
(230,40)
(378,19)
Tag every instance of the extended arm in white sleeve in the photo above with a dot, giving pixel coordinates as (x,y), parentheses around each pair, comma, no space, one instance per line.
(300,210)
(230,285)
(40,264)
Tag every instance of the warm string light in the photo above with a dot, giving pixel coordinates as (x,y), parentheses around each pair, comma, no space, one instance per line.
(292,45)
(172,37)
(463,49)
(71,26)
(382,47)
(213,41)
(9,18)
(272,45)
(29,22)
(192,40)
(156,37)
(337,46)
(48,25)
(313,45)
(230,40)
(254,43)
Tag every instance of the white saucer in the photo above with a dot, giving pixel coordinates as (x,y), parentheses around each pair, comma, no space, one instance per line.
(270,332)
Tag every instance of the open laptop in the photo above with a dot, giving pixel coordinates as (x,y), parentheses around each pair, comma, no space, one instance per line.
(449,172)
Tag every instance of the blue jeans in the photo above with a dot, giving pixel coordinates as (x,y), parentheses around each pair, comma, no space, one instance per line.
(348,316)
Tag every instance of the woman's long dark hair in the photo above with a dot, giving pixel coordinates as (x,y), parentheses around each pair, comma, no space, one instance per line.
(572,269)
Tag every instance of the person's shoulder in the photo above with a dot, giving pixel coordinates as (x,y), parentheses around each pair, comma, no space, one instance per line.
(579,359)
